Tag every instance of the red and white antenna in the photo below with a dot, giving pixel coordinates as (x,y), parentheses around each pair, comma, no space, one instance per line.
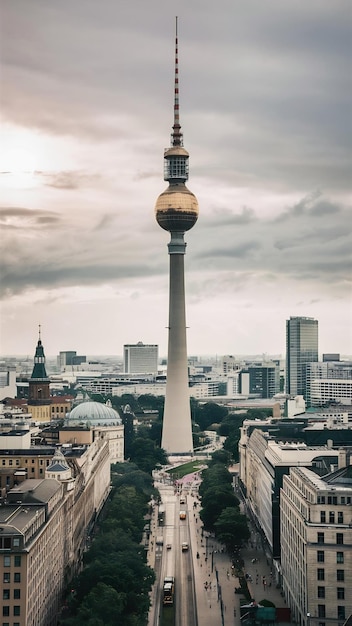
(177,139)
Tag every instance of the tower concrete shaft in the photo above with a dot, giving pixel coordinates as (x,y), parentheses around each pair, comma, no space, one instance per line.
(176,211)
(177,428)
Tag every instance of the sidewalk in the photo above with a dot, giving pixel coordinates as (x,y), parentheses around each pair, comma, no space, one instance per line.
(220,602)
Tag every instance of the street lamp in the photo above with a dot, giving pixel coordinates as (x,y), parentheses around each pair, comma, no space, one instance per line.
(308,619)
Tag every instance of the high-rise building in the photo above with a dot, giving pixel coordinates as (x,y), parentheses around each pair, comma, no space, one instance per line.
(176,211)
(69,358)
(264,379)
(301,348)
(140,358)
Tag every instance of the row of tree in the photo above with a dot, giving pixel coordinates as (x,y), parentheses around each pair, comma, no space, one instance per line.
(220,512)
(205,416)
(114,585)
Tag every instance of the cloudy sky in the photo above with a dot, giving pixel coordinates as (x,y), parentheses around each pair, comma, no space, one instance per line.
(87,107)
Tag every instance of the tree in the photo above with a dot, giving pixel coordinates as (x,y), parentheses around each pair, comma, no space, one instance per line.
(214,501)
(231,529)
(147,455)
(220,456)
(102,606)
(141,481)
(208,414)
(215,476)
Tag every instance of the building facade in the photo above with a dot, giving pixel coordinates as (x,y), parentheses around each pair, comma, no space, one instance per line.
(264,379)
(45,523)
(140,358)
(326,369)
(69,358)
(316,546)
(301,348)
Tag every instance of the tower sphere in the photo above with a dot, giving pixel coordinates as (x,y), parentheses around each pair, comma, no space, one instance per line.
(176,209)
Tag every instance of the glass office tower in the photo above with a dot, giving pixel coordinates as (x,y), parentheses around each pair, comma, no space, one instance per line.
(301,348)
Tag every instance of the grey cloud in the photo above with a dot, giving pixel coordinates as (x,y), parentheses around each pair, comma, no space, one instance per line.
(276,107)
(22,218)
(226,217)
(69,179)
(20,278)
(240,251)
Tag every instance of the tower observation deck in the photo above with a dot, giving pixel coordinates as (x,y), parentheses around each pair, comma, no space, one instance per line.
(176,211)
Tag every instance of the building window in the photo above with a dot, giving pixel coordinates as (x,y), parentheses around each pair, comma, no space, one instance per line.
(17,561)
(339,539)
(322,517)
(6,611)
(321,573)
(320,556)
(321,592)
(17,594)
(340,517)
(17,461)
(321,610)
(6,577)
(17,577)
(10,461)
(7,561)
(16,543)
(340,574)
(340,593)
(320,537)
(341,613)
(17,610)
(6,594)
(339,557)
(331,517)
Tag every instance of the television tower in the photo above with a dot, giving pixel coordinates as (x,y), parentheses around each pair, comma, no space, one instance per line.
(176,211)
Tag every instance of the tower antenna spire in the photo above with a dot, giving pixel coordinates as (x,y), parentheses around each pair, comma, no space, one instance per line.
(177,139)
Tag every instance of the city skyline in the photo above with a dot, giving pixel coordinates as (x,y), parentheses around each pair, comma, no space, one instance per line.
(86,100)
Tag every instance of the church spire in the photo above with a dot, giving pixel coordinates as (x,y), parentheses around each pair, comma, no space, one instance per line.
(39,371)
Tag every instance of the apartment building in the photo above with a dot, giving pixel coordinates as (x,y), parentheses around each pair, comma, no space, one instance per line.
(316,545)
(44,525)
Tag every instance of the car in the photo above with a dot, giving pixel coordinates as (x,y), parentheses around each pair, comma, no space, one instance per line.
(168,546)
(184,546)
(183,515)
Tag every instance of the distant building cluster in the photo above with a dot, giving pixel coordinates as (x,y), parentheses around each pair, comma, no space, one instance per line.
(56,449)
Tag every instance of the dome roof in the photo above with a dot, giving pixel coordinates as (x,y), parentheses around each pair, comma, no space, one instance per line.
(93,414)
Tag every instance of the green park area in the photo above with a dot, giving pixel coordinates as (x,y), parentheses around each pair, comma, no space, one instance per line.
(187,468)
